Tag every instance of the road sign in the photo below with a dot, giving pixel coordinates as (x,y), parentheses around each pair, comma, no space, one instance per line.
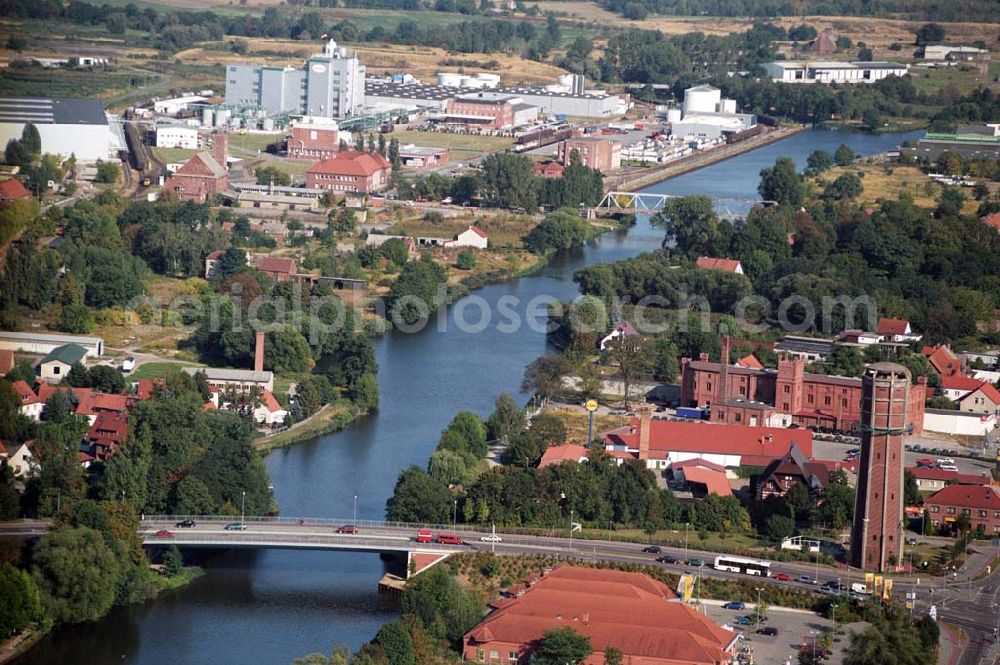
(591,405)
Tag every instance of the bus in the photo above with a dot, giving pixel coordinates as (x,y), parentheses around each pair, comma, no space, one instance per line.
(738,564)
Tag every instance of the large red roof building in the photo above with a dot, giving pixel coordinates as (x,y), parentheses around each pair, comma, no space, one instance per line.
(629,611)
(749,396)
(13,190)
(199,178)
(980,502)
(350,171)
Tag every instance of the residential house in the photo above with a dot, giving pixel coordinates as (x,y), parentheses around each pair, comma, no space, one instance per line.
(20,459)
(13,190)
(984,399)
(628,611)
(473,237)
(957,386)
(242,380)
(201,177)
(6,361)
(278,268)
(56,365)
(897,330)
(712,263)
(859,338)
(793,469)
(980,502)
(943,360)
(269,412)
(567,452)
(702,477)
(624,329)
(31,406)
(548,169)
(932,479)
(350,171)
(107,435)
(420,157)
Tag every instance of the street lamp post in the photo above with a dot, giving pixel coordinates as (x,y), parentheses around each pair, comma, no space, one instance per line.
(833,612)
(454,513)
(355,521)
(758,590)
(686,524)
(571,529)
(243,508)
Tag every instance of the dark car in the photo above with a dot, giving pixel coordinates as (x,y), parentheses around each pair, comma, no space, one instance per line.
(695,562)
(347,528)
(185,524)
(770,631)
(652,549)
(236,526)
(735,605)
(666,558)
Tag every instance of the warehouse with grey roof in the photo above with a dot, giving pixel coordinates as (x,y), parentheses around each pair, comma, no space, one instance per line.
(67,126)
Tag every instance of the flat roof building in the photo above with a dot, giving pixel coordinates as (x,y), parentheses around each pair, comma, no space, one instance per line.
(44,343)
(790,71)
(240,379)
(66,126)
(330,84)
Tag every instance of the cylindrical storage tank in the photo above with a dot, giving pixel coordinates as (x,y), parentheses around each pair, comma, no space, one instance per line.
(222,117)
(673,115)
(566,80)
(207,117)
(449,79)
(492,80)
(472,82)
(701,99)
(267,124)
(729,106)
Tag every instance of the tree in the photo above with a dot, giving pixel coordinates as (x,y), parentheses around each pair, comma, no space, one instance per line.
(911,493)
(396,643)
(419,498)
(466,260)
(781,183)
(417,293)
(105,379)
(107,172)
(21,604)
(819,161)
(846,186)
(865,54)
(16,154)
(929,33)
(58,408)
(629,354)
(31,139)
(507,419)
(543,377)
(561,646)
(444,608)
(173,561)
(395,251)
(267,175)
(365,392)
(779,527)
(613,656)
(76,574)
(562,229)
(232,261)
(692,223)
(194,497)
(509,181)
(466,433)
(844,156)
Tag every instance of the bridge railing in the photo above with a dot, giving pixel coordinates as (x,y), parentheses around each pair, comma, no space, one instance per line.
(316,521)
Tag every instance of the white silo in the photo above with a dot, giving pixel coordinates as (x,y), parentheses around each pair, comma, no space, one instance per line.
(702,99)
(222,117)
(449,79)
(673,115)
(207,117)
(473,82)
(267,124)
(491,80)
(728,106)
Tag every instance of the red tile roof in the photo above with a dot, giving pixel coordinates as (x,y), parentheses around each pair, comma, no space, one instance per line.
(6,361)
(202,164)
(750,362)
(943,360)
(215,255)
(352,162)
(628,611)
(989,391)
(934,473)
(144,388)
(478,231)
(714,481)
(712,263)
(966,496)
(567,452)
(275,264)
(268,399)
(993,219)
(109,429)
(697,461)
(966,383)
(713,438)
(13,190)
(25,393)
(892,326)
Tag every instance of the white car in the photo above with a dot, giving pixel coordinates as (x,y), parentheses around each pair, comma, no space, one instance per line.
(947,467)
(128,364)
(946,460)
(491,539)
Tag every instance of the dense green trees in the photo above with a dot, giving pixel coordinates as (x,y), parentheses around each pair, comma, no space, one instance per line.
(509,181)
(444,608)
(21,605)
(396,643)
(561,646)
(781,183)
(417,293)
(562,229)
(419,498)
(76,574)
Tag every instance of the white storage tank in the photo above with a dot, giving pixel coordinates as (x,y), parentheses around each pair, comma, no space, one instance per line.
(222,117)
(207,117)
(267,124)
(449,79)
(472,82)
(492,80)
(728,106)
(673,115)
(566,80)
(702,99)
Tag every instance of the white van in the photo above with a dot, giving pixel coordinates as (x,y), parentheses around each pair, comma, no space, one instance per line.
(857,587)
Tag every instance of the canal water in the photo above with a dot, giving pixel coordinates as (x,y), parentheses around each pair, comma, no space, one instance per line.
(273,606)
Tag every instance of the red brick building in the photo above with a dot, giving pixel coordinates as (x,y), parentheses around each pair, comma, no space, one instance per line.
(877,530)
(350,171)
(313,140)
(277,268)
(602,154)
(548,169)
(752,396)
(980,502)
(629,611)
(201,177)
(486,111)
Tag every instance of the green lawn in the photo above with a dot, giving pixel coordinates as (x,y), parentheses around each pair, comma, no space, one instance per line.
(460,145)
(168,155)
(156,370)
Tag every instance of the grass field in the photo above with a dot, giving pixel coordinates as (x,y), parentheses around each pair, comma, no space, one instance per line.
(156,370)
(461,146)
(167,155)
(879,183)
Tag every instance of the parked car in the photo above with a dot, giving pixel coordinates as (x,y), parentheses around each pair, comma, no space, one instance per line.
(911,541)
(652,549)
(128,365)
(735,605)
(744,620)
(945,460)
(783,577)
(185,524)
(348,528)
(925,461)
(236,526)
(666,558)
(492,538)
(805,579)
(770,631)
(947,467)
(163,533)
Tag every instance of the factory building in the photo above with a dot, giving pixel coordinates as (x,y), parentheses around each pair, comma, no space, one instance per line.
(490,110)
(597,153)
(833,72)
(706,115)
(173,136)
(480,80)
(66,126)
(969,141)
(330,84)
(390,94)
(315,137)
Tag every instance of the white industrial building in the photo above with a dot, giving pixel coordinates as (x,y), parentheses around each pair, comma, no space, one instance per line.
(949,52)
(478,80)
(706,99)
(43,343)
(172,136)
(704,114)
(175,105)
(67,126)
(329,84)
(833,72)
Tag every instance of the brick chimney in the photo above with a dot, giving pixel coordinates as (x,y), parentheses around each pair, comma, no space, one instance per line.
(645,422)
(258,352)
(220,146)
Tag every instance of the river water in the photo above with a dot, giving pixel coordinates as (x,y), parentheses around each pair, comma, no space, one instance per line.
(273,606)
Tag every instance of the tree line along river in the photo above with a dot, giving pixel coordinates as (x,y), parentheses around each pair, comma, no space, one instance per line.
(273,606)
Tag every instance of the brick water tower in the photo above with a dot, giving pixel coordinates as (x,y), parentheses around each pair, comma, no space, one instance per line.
(877,532)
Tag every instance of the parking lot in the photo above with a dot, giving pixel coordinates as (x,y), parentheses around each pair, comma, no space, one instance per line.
(832,450)
(795,628)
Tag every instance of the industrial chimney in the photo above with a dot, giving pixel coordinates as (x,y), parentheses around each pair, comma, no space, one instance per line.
(258,352)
